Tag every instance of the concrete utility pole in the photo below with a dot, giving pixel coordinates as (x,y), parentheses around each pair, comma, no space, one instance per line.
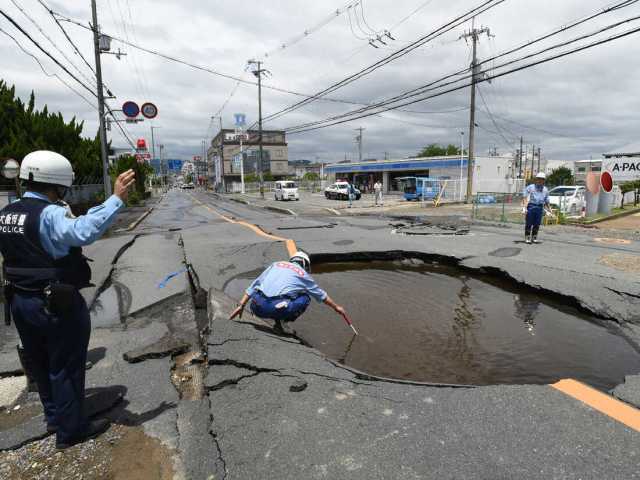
(474,34)
(359,140)
(520,159)
(103,132)
(258,73)
(538,158)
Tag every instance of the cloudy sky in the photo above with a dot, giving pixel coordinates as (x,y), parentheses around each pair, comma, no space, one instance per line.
(575,107)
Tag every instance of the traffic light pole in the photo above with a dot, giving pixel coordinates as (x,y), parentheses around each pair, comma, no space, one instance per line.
(103,132)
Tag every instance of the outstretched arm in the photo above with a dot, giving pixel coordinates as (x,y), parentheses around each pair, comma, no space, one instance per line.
(338,309)
(240,308)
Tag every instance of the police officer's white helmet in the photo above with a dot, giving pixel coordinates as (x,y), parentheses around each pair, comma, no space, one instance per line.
(541,175)
(43,166)
(301,259)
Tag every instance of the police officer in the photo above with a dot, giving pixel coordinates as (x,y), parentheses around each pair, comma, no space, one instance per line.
(535,199)
(282,292)
(43,270)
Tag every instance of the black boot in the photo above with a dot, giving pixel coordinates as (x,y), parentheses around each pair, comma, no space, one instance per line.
(96,427)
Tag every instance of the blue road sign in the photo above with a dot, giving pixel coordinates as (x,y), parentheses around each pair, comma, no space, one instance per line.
(130,109)
(241,119)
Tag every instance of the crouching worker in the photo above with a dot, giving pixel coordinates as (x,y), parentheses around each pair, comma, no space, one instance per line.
(283,292)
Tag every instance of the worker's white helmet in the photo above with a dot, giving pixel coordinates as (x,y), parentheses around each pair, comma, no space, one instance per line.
(43,166)
(301,259)
(541,175)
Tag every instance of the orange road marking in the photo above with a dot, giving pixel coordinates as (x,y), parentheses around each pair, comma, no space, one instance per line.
(601,402)
(289,244)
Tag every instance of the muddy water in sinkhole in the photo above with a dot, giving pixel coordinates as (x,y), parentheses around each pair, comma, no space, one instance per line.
(434,323)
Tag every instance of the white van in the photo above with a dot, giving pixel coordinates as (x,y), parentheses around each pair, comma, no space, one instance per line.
(286,190)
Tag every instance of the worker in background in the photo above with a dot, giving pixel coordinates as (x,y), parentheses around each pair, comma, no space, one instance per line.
(283,292)
(535,200)
(351,193)
(377,191)
(43,270)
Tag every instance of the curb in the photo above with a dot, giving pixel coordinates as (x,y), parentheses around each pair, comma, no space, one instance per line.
(286,211)
(610,217)
(332,210)
(240,200)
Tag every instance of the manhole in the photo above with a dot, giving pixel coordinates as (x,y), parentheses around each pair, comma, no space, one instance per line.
(612,241)
(435,323)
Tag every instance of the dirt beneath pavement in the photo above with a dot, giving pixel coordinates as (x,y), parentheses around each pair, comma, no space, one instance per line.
(122,453)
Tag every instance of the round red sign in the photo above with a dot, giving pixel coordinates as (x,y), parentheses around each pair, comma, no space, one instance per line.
(606,181)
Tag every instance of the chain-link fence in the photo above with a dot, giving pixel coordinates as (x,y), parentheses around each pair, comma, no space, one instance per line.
(498,207)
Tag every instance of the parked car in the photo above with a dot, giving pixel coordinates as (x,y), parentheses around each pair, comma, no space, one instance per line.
(286,190)
(568,198)
(340,191)
(188,186)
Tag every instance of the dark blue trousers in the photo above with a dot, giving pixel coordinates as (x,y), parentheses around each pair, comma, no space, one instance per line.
(289,308)
(534,218)
(57,350)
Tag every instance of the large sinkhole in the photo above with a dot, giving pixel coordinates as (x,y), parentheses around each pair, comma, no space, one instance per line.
(436,323)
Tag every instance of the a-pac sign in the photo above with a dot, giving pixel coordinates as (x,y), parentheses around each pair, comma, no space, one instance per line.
(622,168)
(240,119)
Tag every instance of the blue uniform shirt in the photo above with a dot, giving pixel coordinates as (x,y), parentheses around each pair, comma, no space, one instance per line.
(282,278)
(58,232)
(535,196)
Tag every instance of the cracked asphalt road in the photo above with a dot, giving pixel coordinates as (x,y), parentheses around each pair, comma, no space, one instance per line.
(274,408)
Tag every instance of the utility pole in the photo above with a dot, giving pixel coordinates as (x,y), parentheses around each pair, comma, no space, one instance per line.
(533,159)
(474,34)
(520,159)
(258,73)
(153,145)
(538,158)
(359,140)
(103,132)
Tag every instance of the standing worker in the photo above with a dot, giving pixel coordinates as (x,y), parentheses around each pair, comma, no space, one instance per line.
(43,270)
(350,192)
(535,199)
(377,191)
(282,292)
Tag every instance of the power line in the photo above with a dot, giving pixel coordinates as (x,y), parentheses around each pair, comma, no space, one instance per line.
(66,70)
(45,71)
(46,7)
(486,5)
(19,28)
(301,129)
(44,34)
(495,124)
(437,84)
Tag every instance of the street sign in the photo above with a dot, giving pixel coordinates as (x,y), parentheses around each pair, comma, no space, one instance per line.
(149,110)
(11,168)
(197,158)
(240,119)
(130,109)
(622,168)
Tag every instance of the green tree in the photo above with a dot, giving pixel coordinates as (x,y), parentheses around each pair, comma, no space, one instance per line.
(24,129)
(437,150)
(560,176)
(311,176)
(142,170)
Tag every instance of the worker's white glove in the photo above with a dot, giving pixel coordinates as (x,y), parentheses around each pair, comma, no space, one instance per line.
(524,210)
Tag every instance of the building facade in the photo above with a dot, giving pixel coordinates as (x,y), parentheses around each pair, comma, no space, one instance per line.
(224,159)
(491,174)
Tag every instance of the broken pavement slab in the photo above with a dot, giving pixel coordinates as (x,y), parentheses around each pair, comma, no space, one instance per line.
(629,391)
(145,270)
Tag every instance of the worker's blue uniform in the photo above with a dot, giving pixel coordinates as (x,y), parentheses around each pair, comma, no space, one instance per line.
(40,247)
(538,197)
(282,292)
